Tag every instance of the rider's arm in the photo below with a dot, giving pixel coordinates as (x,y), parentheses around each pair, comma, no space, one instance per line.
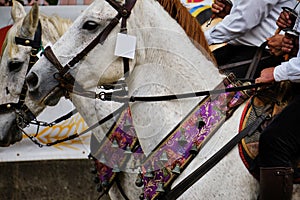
(288,70)
(244,16)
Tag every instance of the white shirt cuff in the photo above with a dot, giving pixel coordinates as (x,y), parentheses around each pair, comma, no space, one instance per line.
(280,73)
(207,36)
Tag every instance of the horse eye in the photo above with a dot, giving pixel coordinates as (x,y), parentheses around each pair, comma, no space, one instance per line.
(90,25)
(15,66)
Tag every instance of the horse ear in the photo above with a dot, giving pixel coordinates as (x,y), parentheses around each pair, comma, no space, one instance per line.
(30,21)
(17,11)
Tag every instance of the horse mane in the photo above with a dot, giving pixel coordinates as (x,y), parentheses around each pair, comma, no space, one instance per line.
(190,25)
(60,24)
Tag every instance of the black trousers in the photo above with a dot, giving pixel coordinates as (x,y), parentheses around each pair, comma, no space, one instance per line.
(232,54)
(279,144)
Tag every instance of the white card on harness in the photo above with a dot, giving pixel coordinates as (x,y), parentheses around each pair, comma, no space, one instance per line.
(125,45)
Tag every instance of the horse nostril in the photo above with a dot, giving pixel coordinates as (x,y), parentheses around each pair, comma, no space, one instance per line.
(15,66)
(32,80)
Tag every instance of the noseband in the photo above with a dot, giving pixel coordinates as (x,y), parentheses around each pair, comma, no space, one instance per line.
(64,77)
(23,112)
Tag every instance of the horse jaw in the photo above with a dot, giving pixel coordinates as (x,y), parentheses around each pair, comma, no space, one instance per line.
(10,133)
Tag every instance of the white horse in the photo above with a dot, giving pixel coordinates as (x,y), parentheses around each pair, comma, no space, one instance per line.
(13,67)
(15,61)
(165,62)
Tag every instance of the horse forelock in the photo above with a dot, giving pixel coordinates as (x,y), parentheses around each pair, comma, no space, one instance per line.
(190,25)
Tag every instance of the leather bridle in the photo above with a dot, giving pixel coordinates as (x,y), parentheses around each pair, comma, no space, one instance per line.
(64,77)
(24,114)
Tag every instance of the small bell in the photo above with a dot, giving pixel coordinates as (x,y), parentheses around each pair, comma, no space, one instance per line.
(139,180)
(102,159)
(182,140)
(133,164)
(194,149)
(149,173)
(141,197)
(165,172)
(127,125)
(116,168)
(160,187)
(115,144)
(200,123)
(164,157)
(127,150)
(93,170)
(138,162)
(99,188)
(176,169)
(104,183)
(96,179)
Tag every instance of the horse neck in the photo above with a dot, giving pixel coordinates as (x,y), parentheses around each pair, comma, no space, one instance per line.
(166,63)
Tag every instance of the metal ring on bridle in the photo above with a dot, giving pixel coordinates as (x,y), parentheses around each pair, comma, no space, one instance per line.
(125,13)
(101,96)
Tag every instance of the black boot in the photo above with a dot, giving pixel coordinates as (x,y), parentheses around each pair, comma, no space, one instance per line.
(276,183)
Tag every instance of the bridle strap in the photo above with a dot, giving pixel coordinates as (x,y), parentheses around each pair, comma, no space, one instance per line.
(253,66)
(35,44)
(123,12)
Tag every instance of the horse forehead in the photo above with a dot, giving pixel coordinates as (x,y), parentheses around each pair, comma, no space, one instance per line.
(99,8)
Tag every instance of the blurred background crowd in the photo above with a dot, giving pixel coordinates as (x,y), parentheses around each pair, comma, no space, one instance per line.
(47,2)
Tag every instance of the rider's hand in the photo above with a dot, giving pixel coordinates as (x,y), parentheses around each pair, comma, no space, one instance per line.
(221,8)
(266,76)
(275,44)
(283,20)
(287,44)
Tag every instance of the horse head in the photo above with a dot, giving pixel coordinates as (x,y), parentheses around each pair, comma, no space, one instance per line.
(159,61)
(22,42)
(84,29)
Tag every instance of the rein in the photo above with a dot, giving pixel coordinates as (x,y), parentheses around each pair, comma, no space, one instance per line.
(118,95)
(76,135)
(115,97)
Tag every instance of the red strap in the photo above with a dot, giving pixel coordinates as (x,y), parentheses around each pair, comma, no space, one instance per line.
(3,32)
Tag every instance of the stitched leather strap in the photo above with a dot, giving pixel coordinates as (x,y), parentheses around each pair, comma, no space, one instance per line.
(253,66)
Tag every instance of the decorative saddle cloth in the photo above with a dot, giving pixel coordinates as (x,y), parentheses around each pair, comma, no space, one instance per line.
(159,170)
(248,147)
